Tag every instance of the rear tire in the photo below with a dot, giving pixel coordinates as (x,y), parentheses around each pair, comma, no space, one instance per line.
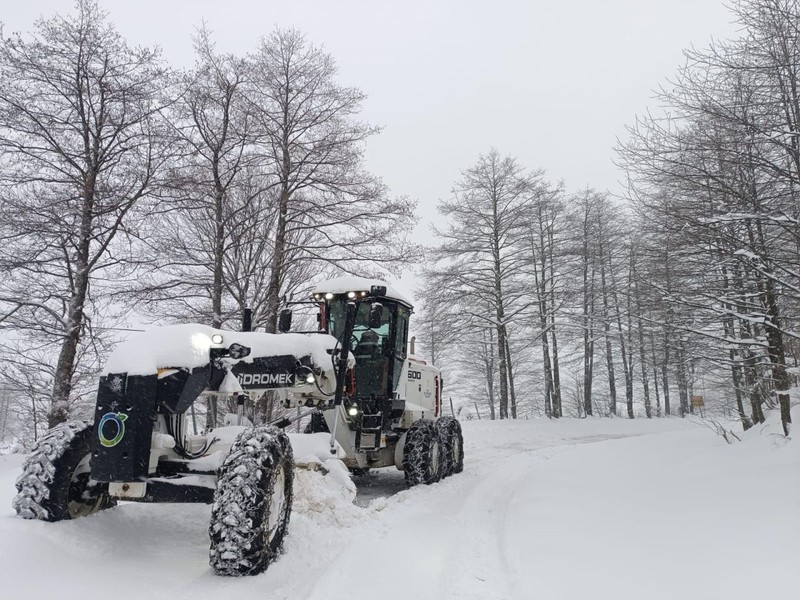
(252,503)
(452,445)
(56,483)
(422,454)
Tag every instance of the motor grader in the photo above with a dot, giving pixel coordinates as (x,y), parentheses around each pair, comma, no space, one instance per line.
(371,404)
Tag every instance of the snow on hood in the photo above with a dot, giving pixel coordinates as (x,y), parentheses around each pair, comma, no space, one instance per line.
(188,345)
(342,285)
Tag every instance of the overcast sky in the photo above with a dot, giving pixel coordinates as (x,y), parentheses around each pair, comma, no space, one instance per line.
(552,83)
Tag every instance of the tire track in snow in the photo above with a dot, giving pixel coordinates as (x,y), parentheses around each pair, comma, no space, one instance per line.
(476,565)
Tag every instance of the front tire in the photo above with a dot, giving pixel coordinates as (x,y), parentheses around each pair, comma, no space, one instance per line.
(252,503)
(422,454)
(56,483)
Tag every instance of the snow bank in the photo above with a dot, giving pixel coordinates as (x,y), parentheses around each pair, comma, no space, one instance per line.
(314,447)
(188,345)
(328,494)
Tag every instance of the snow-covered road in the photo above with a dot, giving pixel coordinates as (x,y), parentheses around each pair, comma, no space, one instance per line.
(543,510)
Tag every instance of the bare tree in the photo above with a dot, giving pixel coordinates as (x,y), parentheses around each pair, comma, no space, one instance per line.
(587,202)
(480,254)
(80,152)
(210,201)
(722,173)
(329,208)
(543,221)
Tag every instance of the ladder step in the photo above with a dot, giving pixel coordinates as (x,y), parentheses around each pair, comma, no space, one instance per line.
(372,421)
(368,438)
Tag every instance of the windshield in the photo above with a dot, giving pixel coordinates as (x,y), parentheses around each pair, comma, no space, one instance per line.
(363,337)
(373,348)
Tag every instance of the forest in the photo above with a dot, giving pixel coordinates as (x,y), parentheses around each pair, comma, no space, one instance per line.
(135,193)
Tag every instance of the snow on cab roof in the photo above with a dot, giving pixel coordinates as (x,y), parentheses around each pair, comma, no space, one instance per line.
(342,285)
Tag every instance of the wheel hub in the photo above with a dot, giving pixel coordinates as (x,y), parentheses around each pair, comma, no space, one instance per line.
(277,504)
(81,500)
(435,459)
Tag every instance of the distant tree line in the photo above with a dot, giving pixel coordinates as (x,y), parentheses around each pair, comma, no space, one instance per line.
(185,194)
(539,301)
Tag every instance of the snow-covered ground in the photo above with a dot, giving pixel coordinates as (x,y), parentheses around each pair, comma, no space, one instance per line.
(583,509)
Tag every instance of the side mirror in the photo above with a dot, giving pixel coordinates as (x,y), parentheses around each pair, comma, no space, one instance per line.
(285,320)
(377,291)
(376,315)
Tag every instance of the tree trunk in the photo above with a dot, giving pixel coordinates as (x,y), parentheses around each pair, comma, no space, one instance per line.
(624,345)
(557,407)
(65,367)
(219,252)
(648,410)
(588,347)
(501,350)
(548,370)
(681,378)
(751,381)
(488,357)
(664,373)
(500,313)
(279,252)
(512,391)
(627,366)
(612,384)
(655,375)
(736,372)
(777,356)
(736,378)
(557,404)
(276,274)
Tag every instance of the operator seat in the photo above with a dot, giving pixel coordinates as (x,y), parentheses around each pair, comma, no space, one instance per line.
(368,347)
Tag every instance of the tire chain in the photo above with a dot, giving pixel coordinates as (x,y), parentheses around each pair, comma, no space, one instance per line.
(38,470)
(236,529)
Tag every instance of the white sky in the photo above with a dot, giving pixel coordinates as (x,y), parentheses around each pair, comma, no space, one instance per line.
(552,83)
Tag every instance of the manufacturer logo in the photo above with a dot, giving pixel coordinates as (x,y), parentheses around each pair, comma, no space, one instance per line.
(266,379)
(111,429)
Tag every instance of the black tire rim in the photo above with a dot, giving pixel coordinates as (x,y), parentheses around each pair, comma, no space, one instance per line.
(82,499)
(277,505)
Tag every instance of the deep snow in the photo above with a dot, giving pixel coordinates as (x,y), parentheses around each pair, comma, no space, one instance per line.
(547,510)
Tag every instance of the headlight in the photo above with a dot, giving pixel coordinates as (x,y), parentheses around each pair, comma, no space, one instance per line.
(353,411)
(216,339)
